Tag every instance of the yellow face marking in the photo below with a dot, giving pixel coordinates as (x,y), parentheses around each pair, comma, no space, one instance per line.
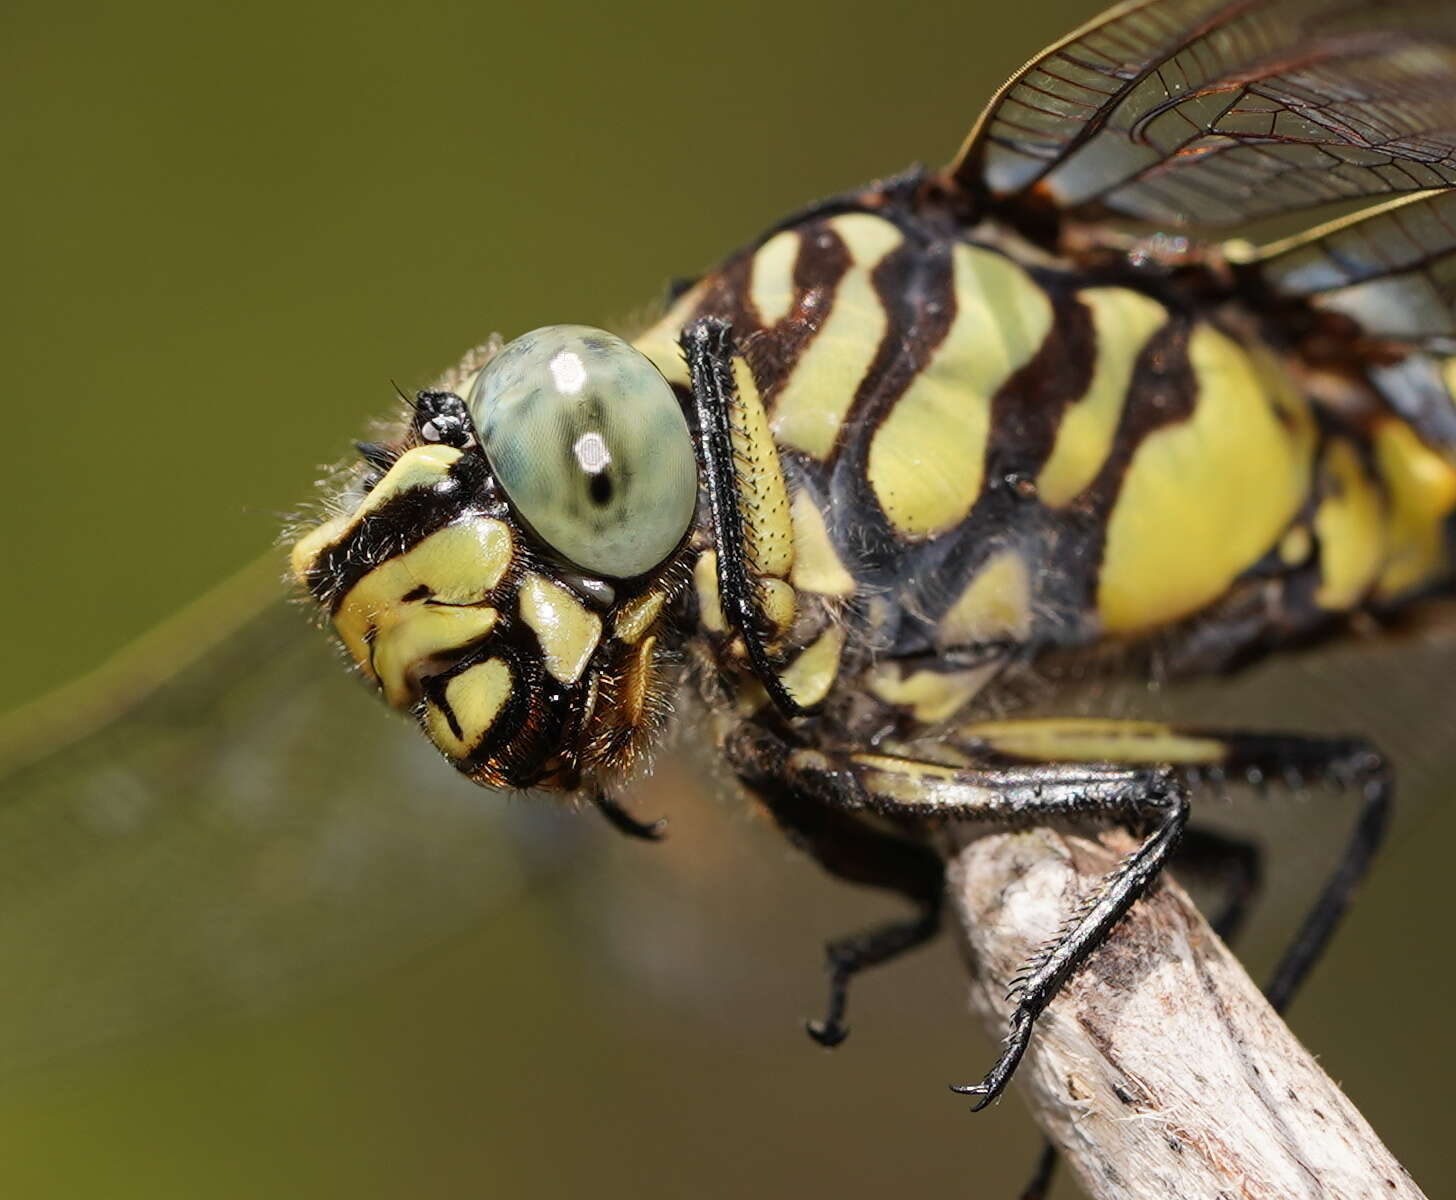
(568,633)
(810,676)
(816,564)
(931,696)
(1207,497)
(1422,490)
(457,565)
(409,636)
(811,407)
(476,697)
(307,549)
(1095,740)
(995,607)
(1350,522)
(659,343)
(926,458)
(705,580)
(636,616)
(771,283)
(1123,321)
(422,467)
(770,534)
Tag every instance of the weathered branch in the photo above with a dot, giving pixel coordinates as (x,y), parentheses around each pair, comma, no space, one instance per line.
(1160,1070)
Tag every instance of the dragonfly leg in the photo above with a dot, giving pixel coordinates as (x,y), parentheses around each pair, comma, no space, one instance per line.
(1040,1182)
(1274,758)
(1350,762)
(924,791)
(624,822)
(707,345)
(1232,864)
(853,850)
(1023,772)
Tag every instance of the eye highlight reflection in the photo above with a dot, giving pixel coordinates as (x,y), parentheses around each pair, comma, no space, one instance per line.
(590,444)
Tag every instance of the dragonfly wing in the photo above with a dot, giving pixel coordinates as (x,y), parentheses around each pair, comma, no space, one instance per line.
(1220,112)
(1392,269)
(255,828)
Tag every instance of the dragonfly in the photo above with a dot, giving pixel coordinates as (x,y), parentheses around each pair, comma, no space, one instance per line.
(1026,423)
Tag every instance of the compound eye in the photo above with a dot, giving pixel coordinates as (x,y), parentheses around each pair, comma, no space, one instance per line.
(591,446)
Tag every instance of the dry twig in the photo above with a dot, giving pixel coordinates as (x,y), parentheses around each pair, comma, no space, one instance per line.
(1160,1071)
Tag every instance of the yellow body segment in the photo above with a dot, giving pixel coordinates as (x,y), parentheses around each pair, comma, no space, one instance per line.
(771,282)
(475,697)
(810,409)
(659,343)
(705,583)
(1296,545)
(995,606)
(817,567)
(1350,525)
(1421,485)
(810,676)
(777,603)
(931,696)
(926,458)
(1122,321)
(567,632)
(1204,498)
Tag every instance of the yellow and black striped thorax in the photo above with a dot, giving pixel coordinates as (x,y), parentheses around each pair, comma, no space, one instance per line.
(988,451)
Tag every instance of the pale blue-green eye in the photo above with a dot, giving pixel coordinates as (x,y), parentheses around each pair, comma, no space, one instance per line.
(591,446)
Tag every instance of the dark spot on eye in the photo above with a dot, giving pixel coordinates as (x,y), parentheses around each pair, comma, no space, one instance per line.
(600,489)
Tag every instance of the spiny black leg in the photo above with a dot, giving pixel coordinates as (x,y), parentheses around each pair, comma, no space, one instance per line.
(1341,761)
(1232,863)
(708,346)
(853,850)
(849,783)
(850,955)
(624,822)
(1042,977)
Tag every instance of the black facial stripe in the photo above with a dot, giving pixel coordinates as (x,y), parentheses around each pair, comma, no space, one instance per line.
(395,527)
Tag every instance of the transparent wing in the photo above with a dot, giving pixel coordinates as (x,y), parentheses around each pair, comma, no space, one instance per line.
(1392,269)
(1219,112)
(249,828)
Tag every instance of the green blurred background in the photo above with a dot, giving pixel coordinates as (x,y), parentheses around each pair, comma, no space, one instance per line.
(229,229)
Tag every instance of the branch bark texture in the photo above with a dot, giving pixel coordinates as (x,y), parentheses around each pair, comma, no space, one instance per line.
(1160,1071)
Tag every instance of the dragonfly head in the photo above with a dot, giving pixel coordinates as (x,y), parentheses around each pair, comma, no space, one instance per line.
(503,570)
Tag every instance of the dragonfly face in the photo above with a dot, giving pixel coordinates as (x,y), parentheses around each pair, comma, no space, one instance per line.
(504,577)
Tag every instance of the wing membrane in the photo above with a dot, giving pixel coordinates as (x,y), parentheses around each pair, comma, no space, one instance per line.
(253,829)
(1393,269)
(1218,112)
